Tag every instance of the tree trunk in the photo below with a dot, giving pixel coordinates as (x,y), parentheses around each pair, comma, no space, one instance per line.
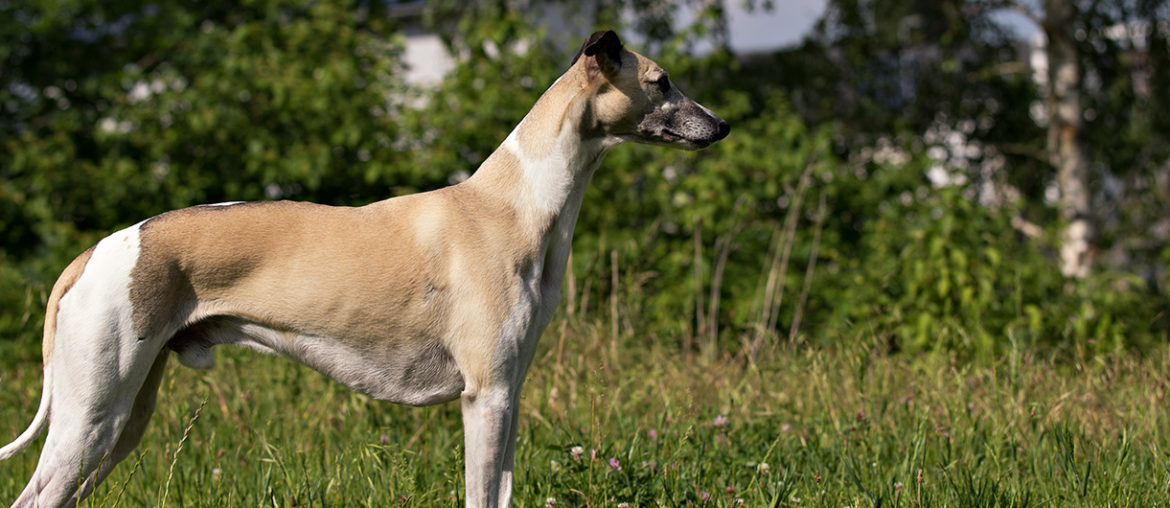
(1065,150)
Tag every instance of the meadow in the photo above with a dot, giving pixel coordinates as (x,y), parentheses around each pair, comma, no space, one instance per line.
(854,300)
(800,426)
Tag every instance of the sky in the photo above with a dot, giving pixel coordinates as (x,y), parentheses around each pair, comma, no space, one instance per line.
(790,20)
(785,25)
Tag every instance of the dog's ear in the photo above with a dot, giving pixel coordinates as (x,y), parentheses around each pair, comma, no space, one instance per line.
(604,53)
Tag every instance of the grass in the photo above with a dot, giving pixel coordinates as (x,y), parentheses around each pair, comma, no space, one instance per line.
(802,426)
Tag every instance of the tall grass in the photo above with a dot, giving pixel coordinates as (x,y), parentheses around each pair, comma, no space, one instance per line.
(800,426)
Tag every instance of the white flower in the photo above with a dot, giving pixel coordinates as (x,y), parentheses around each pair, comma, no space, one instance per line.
(107,125)
(140,92)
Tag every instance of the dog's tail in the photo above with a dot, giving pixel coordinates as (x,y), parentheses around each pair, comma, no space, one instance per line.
(68,277)
(38,424)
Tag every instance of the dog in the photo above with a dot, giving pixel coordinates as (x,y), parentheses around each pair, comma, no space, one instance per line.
(418,299)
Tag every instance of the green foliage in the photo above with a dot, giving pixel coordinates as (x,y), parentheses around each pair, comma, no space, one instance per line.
(152,107)
(922,265)
(943,272)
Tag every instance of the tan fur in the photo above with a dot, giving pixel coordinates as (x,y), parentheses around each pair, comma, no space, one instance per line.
(627,91)
(544,122)
(403,273)
(610,101)
(64,283)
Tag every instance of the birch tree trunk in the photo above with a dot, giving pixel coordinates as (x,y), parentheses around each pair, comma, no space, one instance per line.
(1065,150)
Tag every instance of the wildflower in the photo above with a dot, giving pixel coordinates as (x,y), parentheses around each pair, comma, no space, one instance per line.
(576,452)
(794,499)
(763,468)
(554,466)
(550,502)
(384,439)
(704,495)
(215,473)
(897,488)
(623,505)
(720,421)
(653,433)
(861,415)
(785,427)
(739,501)
(614,465)
(107,125)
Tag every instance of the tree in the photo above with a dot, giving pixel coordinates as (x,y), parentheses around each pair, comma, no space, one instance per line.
(1065,149)
(1102,87)
(918,75)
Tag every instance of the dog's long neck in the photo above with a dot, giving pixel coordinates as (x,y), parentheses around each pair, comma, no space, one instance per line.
(543,167)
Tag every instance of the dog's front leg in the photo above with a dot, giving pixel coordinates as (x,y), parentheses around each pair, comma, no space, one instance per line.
(488,430)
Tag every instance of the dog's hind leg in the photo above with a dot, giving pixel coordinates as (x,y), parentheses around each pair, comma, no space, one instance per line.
(104,378)
(89,433)
(135,427)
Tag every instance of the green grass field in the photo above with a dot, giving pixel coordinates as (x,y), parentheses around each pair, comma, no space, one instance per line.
(802,426)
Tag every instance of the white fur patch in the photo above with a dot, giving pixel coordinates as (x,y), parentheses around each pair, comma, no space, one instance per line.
(551,178)
(98,309)
(95,350)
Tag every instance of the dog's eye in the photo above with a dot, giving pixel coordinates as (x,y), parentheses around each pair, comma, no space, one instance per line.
(663,84)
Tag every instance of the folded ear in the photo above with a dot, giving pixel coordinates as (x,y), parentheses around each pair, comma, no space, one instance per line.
(604,52)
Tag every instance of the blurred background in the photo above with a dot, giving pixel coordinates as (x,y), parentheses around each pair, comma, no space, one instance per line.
(926,175)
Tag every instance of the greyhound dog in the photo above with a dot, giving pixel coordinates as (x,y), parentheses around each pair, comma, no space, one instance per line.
(418,299)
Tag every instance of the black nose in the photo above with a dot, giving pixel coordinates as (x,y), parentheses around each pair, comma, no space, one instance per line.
(723,130)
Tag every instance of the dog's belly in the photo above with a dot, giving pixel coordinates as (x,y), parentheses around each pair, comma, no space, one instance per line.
(417,374)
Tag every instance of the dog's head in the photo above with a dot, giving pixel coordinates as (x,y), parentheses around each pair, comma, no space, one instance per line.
(634,99)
